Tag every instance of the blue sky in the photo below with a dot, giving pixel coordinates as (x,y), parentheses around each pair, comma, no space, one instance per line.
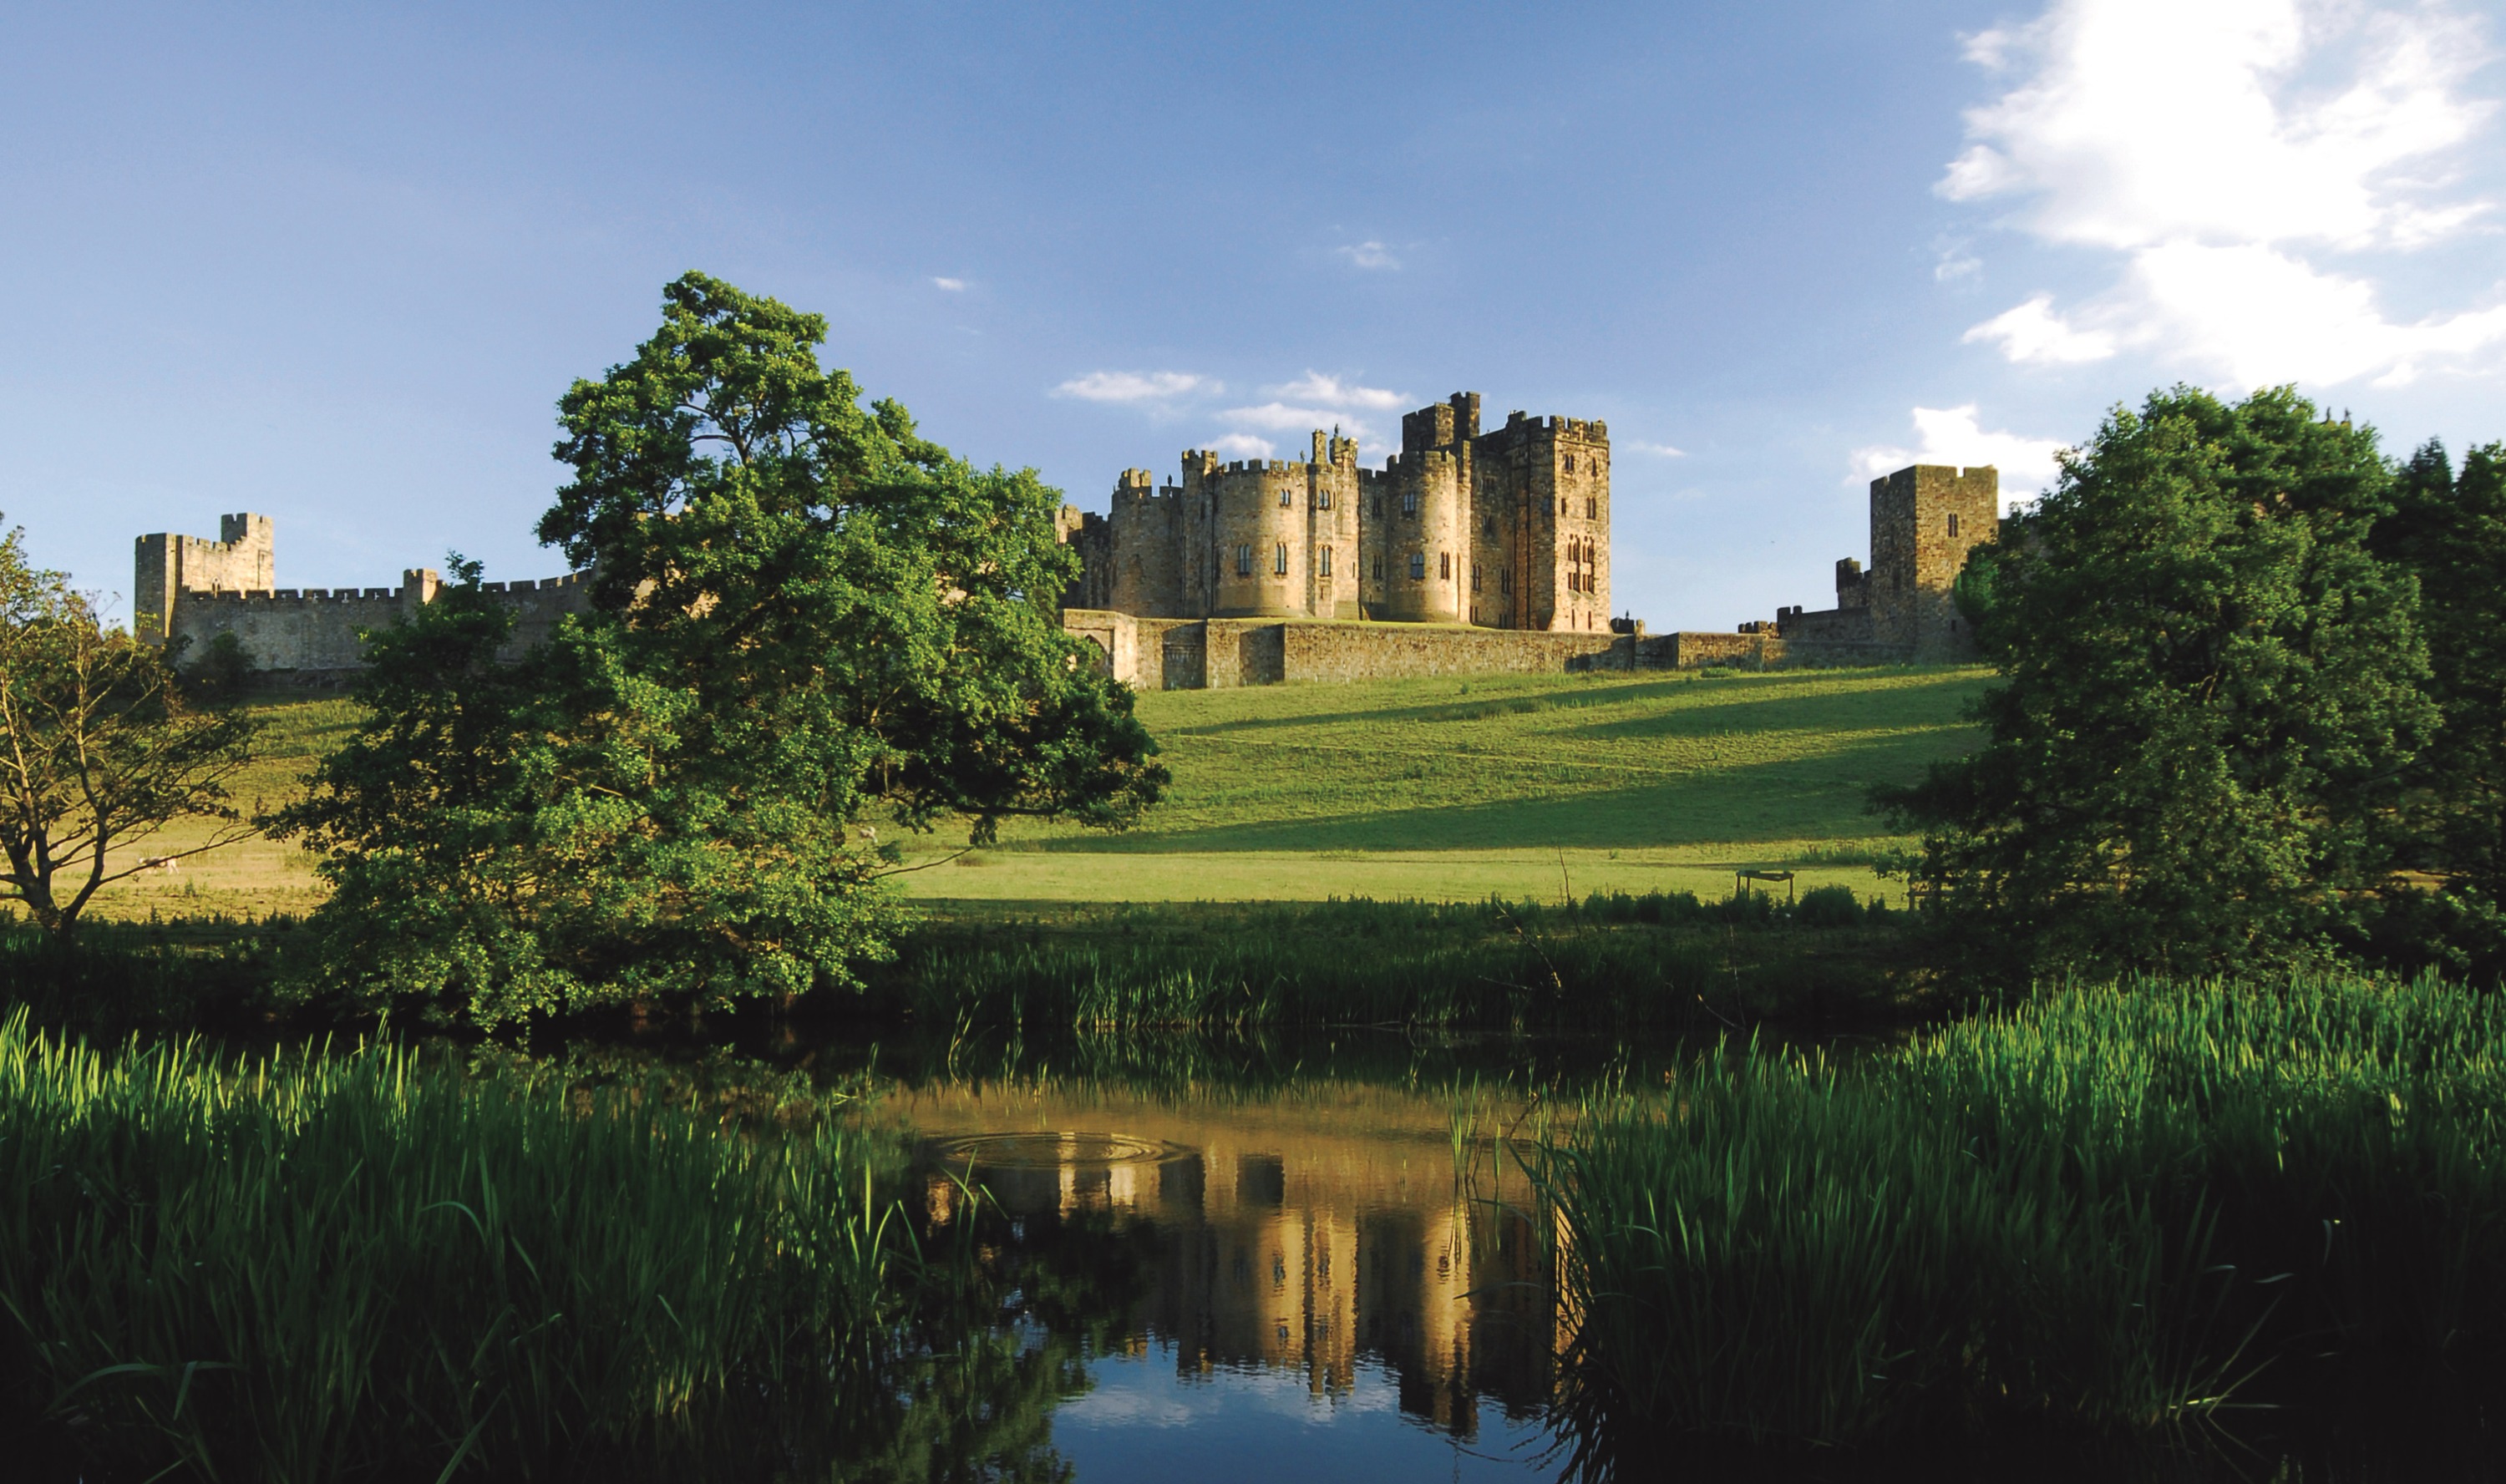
(336,264)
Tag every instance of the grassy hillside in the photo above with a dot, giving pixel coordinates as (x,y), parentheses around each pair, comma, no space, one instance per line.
(1520,785)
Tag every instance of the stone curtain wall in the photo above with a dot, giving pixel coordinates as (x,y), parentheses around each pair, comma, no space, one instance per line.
(1191,655)
(189,591)
(316,634)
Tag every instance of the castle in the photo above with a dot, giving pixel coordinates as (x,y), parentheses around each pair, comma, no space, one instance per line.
(1470,552)
(1508,529)
(187,590)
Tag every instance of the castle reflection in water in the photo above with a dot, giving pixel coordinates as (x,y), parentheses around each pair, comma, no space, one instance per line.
(1304,1232)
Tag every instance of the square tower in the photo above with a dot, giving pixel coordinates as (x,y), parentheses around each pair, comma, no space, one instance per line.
(1925,520)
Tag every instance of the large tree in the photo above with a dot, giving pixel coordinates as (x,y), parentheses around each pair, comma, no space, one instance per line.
(807,621)
(2448,531)
(2210,693)
(98,754)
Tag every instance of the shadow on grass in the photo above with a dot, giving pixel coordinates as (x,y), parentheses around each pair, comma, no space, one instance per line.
(1731,692)
(1797,799)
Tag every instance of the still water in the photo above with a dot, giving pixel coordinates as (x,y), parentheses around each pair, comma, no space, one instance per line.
(1322,1279)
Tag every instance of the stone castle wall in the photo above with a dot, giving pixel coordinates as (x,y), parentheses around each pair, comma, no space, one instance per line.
(1217,653)
(1507,529)
(191,590)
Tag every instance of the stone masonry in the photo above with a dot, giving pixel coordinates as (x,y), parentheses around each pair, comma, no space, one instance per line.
(189,591)
(1925,520)
(1508,529)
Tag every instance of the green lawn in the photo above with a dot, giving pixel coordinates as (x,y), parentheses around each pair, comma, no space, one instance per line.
(1519,786)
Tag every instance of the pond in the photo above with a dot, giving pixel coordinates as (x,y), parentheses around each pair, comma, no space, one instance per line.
(1326,1258)
(1323,1278)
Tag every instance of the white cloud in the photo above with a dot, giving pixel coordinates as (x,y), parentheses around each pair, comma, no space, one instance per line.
(1658,451)
(952,285)
(1369,255)
(2032,333)
(1135,386)
(2194,138)
(1244,445)
(1955,436)
(1333,392)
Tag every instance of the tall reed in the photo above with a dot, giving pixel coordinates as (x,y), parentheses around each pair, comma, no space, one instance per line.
(315,1267)
(2103,1207)
(1653,962)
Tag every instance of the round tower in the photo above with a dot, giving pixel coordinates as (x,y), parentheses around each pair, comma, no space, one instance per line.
(1426,561)
(1259,517)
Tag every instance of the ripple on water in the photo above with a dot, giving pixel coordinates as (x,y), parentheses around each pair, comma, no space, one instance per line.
(1054,1150)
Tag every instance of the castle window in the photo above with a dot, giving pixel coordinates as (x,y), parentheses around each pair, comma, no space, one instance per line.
(1244,561)
(1417,566)
(1445,566)
(1323,501)
(1286,499)
(1326,561)
(1378,569)
(1953,522)
(1561,505)
(1279,559)
(1487,528)
(1570,463)
(1409,502)
(1592,507)
(1505,580)
(1475,576)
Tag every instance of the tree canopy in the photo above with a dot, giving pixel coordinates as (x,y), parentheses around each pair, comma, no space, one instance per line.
(2211,696)
(98,754)
(807,621)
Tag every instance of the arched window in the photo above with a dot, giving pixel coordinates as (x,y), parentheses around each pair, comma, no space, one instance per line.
(1245,561)
(1322,501)
(1326,561)
(1279,559)
(1417,566)
(1286,499)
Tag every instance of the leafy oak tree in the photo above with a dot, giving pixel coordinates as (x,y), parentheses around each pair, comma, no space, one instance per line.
(2210,696)
(98,754)
(807,621)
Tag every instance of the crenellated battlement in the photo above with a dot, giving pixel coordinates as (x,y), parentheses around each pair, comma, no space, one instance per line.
(1459,526)
(190,592)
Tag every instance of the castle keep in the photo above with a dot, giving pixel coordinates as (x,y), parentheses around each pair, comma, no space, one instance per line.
(187,590)
(1508,529)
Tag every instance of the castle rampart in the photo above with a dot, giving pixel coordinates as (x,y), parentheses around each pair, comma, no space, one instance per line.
(191,591)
